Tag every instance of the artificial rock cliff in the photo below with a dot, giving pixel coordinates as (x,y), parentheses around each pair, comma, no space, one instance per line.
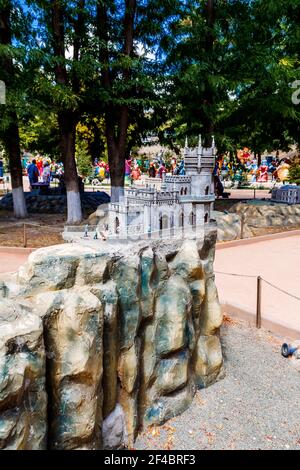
(252,218)
(100,341)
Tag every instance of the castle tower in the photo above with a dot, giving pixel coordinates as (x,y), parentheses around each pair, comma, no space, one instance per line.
(199,164)
(190,160)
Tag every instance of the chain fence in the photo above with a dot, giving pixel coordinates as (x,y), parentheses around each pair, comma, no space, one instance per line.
(259,281)
(27,231)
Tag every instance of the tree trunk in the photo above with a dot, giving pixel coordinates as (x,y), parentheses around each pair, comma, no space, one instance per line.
(259,158)
(67,129)
(116,178)
(117,171)
(66,119)
(13,149)
(116,141)
(11,137)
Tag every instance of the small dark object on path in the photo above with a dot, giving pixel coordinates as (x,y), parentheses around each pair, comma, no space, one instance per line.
(287,351)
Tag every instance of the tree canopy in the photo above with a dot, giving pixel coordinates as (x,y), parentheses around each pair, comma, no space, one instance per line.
(98,76)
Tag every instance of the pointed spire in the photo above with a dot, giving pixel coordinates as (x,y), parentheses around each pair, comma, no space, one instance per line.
(186,143)
(200,141)
(213,142)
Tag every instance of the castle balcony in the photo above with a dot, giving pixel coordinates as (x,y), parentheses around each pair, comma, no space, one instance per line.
(207,161)
(191,161)
(177,179)
(190,198)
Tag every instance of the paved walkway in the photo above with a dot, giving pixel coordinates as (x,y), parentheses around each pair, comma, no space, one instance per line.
(242,194)
(277,261)
(256,405)
(10,260)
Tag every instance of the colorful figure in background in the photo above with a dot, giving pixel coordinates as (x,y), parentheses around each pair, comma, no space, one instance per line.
(181,169)
(162,170)
(152,170)
(127,171)
(127,167)
(33,173)
(239,174)
(243,155)
(272,169)
(159,157)
(60,169)
(47,173)
(39,164)
(283,171)
(263,172)
(224,171)
(136,173)
(107,174)
(53,168)
(174,166)
(254,171)
(101,171)
(25,158)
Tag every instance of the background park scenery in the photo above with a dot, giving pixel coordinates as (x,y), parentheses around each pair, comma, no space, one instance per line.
(86,84)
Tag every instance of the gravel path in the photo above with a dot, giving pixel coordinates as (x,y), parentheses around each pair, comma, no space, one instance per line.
(256,406)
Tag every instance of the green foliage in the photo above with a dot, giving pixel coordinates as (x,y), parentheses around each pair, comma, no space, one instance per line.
(40,134)
(233,76)
(187,75)
(83,159)
(294,172)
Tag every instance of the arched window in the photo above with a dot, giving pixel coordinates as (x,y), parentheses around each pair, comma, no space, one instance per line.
(207,190)
(181,219)
(160,222)
(117,225)
(181,191)
(172,231)
(206,218)
(163,222)
(185,191)
(192,218)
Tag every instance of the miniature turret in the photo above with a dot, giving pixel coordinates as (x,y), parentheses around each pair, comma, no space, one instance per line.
(208,155)
(199,152)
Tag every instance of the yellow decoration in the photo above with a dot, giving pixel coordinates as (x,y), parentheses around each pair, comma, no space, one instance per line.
(283,172)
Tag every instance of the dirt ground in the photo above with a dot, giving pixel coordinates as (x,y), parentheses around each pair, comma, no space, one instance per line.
(41,230)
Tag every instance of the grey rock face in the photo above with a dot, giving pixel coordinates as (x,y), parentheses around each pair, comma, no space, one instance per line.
(247,219)
(119,338)
(23,399)
(114,429)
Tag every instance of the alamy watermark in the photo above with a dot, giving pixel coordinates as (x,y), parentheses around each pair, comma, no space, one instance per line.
(2,92)
(296,94)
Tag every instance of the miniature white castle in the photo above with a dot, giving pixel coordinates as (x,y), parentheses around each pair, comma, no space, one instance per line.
(182,202)
(287,194)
